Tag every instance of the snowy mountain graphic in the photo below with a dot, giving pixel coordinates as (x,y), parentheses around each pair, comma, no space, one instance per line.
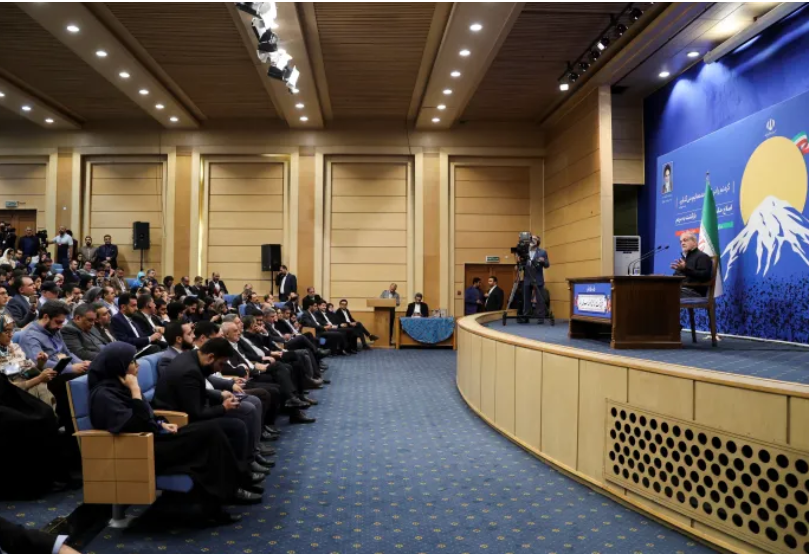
(773,225)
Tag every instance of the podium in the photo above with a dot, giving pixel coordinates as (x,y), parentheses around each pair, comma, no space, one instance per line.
(383,308)
(639,311)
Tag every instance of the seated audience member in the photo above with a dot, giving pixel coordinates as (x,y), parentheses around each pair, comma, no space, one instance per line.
(16,539)
(87,270)
(146,316)
(696,266)
(168,282)
(71,273)
(253,307)
(151,278)
(243,298)
(108,253)
(418,308)
(311,298)
(258,338)
(15,365)
(343,316)
(335,341)
(286,325)
(108,299)
(200,449)
(191,305)
(4,298)
(161,313)
(8,257)
(323,317)
(78,333)
(23,306)
(216,287)
(95,294)
(125,328)
(102,327)
(74,296)
(181,387)
(175,311)
(292,340)
(216,309)
(49,291)
(87,282)
(292,303)
(199,288)
(494,296)
(118,281)
(183,288)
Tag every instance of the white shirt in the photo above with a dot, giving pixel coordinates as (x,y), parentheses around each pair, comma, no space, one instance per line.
(283,282)
(345,315)
(152,325)
(134,329)
(63,240)
(247,362)
(417,308)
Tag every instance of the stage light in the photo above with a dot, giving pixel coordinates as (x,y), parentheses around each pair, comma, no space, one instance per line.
(464,53)
(26,108)
(48,120)
(159,106)
(441,107)
(693,54)
(293,90)
(594,54)
(143,92)
(304,118)
(573,77)
(620,29)
(584,66)
(475,27)
(664,74)
(447,91)
(292,79)
(564,87)
(280,74)
(455,74)
(436,119)
(73,29)
(635,14)
(2,94)
(603,43)
(174,119)
(123,75)
(299,105)
(101,53)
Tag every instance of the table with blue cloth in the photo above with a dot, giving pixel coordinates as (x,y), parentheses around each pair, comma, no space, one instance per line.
(425,331)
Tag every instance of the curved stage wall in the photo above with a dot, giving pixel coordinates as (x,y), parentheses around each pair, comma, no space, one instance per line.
(687,438)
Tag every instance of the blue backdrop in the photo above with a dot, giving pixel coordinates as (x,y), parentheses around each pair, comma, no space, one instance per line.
(714,118)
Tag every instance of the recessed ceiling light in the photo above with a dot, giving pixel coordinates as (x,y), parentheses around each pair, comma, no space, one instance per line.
(295,91)
(49,121)
(664,74)
(564,87)
(143,92)
(2,94)
(159,106)
(442,106)
(174,119)
(455,74)
(464,52)
(475,27)
(693,54)
(447,91)
(299,105)
(123,75)
(101,53)
(436,119)
(73,29)
(304,118)
(26,108)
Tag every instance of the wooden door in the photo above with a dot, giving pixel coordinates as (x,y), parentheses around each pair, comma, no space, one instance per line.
(20,219)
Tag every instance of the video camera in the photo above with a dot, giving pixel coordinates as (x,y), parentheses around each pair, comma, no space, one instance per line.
(521,251)
(43,237)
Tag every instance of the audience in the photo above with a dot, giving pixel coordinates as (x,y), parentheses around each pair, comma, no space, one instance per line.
(78,333)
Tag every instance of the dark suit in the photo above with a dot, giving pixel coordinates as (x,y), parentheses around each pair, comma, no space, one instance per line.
(212,288)
(698,269)
(146,330)
(338,318)
(104,337)
(180,291)
(309,300)
(20,309)
(83,345)
(494,301)
(350,333)
(107,251)
(71,276)
(290,285)
(424,310)
(278,373)
(122,331)
(15,539)
(335,341)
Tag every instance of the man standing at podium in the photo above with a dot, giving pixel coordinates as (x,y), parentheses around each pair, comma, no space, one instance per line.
(535,265)
(695,265)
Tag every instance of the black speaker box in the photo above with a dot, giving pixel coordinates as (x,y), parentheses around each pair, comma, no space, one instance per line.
(140,235)
(270,257)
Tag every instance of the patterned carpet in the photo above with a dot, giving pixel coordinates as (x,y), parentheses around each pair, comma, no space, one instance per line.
(769,360)
(397,463)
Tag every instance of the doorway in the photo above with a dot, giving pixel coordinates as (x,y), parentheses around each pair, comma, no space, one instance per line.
(503,272)
(19,219)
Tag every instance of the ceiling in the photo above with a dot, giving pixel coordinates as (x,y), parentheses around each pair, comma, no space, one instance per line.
(196,62)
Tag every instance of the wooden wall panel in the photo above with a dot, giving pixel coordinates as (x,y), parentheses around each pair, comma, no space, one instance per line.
(64,194)
(662,393)
(528,396)
(627,141)
(245,206)
(755,414)
(306,222)
(369,223)
(492,205)
(24,183)
(432,231)
(488,377)
(120,194)
(560,400)
(505,381)
(475,362)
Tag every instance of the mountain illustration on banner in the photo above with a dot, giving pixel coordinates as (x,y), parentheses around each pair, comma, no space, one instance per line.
(772,228)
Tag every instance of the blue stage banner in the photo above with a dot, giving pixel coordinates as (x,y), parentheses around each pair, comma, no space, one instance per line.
(593,300)
(757,169)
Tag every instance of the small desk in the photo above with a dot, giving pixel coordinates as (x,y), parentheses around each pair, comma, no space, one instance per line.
(382,314)
(403,339)
(639,311)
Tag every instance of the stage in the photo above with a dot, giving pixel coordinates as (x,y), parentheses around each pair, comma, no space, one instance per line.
(765,360)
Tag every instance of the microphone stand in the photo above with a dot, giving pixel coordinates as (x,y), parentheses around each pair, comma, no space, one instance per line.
(632,265)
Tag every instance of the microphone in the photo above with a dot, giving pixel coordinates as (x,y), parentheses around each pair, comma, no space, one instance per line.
(633,264)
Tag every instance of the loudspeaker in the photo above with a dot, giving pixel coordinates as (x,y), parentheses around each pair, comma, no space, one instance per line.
(270,257)
(140,235)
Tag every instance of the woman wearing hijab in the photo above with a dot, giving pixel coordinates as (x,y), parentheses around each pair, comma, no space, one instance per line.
(8,258)
(199,450)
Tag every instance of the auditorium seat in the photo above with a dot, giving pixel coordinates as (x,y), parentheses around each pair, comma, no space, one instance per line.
(229,298)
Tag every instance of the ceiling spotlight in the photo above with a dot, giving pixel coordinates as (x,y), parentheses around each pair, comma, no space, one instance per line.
(455,74)
(26,108)
(73,29)
(464,52)
(475,27)
(594,54)
(293,90)
(573,77)
(664,74)
(143,92)
(441,107)
(123,75)
(564,87)
(436,119)
(174,119)
(447,91)
(299,105)
(693,54)
(304,118)
(159,106)
(292,80)
(48,120)
(620,29)
(603,43)
(635,14)
(584,66)
(2,94)
(101,53)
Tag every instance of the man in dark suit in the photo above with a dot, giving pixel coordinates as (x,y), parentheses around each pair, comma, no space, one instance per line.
(323,316)
(300,360)
(253,306)
(125,328)
(418,307)
(335,341)
(20,306)
(101,329)
(16,539)
(78,335)
(344,314)
(494,297)
(216,287)
(286,283)
(71,273)
(311,298)
(107,253)
(695,265)
(183,288)
(146,320)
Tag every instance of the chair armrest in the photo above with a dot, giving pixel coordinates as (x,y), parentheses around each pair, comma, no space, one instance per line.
(708,284)
(308,330)
(180,419)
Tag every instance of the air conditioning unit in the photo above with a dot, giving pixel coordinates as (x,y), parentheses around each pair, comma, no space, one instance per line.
(627,250)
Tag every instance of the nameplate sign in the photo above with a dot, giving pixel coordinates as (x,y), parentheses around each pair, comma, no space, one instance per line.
(593,300)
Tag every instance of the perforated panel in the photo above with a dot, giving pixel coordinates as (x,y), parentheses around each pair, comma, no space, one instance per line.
(751,489)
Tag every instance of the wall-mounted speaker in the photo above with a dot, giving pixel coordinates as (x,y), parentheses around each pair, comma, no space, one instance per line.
(140,235)
(270,257)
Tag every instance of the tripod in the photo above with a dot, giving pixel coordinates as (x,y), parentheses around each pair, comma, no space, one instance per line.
(529,278)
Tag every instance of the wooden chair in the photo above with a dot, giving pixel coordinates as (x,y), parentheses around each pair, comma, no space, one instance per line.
(706,302)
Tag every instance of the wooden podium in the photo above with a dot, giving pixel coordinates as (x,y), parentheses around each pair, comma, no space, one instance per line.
(382,314)
(640,311)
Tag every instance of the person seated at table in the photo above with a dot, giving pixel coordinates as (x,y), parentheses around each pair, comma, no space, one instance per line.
(200,450)
(695,265)
(418,308)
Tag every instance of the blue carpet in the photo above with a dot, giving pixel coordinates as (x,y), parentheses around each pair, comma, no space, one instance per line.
(768,360)
(397,463)
(35,514)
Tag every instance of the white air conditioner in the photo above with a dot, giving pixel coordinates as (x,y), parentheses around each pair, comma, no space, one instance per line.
(627,250)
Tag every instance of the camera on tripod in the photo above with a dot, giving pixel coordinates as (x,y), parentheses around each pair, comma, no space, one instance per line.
(43,237)
(521,251)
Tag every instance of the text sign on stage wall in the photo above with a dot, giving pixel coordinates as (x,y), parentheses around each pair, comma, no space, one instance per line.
(593,300)
(757,170)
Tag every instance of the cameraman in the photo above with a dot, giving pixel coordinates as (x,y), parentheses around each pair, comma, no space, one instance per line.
(535,265)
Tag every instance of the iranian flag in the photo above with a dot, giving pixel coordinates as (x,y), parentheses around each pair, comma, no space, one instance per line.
(709,232)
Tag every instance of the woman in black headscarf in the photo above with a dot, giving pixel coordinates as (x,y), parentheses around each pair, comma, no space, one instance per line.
(200,450)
